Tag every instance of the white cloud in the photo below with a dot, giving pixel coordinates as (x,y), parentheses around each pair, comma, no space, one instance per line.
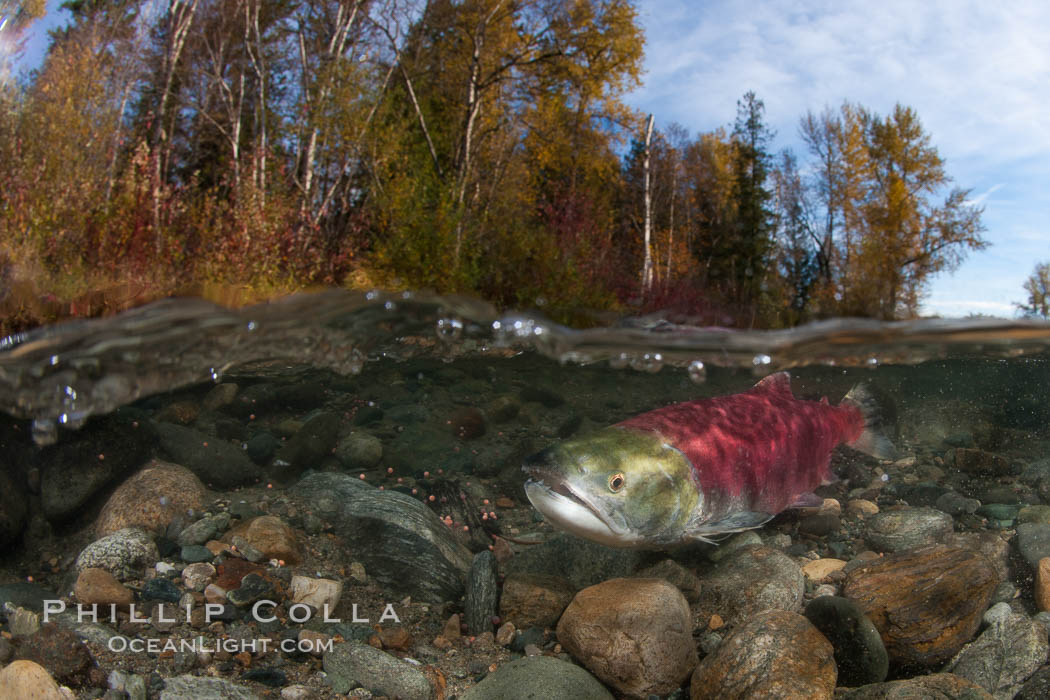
(980,199)
(975,72)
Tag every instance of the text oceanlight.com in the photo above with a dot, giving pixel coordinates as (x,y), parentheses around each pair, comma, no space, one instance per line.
(233,646)
(261,612)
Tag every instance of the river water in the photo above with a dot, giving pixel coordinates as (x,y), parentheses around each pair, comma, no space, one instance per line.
(394,389)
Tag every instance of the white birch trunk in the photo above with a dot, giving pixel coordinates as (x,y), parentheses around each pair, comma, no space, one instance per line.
(647,266)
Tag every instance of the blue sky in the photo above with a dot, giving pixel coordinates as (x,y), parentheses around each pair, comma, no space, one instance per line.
(976,72)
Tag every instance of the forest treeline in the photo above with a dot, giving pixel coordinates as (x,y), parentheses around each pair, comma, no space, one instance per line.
(478,146)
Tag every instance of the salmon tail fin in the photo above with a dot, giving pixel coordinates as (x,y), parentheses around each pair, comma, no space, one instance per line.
(872,440)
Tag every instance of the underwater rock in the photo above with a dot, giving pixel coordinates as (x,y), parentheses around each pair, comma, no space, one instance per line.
(316,592)
(220,396)
(956,504)
(83,462)
(151,499)
(274,538)
(920,494)
(359,450)
(1042,585)
(400,541)
(253,587)
(28,679)
(196,577)
(189,687)
(261,447)
(860,655)
(482,597)
(819,525)
(125,553)
(12,509)
(634,634)
(218,463)
(1034,514)
(22,622)
(538,677)
(59,651)
(936,685)
(203,530)
(195,553)
(819,569)
(752,579)
(776,654)
(301,395)
(897,530)
(325,493)
(160,589)
(991,544)
(674,573)
(420,446)
(861,508)
(179,413)
(351,664)
(925,602)
(1004,656)
(253,399)
(1037,687)
(1033,541)
(979,462)
(99,587)
(730,546)
(549,399)
(583,562)
(405,414)
(22,594)
(502,408)
(534,600)
(467,423)
(308,447)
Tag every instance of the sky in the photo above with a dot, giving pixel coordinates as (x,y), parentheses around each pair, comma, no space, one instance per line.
(976,72)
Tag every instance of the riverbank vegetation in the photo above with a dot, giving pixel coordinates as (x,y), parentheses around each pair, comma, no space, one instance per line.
(471,146)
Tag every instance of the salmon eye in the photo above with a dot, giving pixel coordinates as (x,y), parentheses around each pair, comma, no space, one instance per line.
(616,482)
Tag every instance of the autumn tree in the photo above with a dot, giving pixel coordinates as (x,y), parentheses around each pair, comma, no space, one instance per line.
(795,253)
(752,240)
(884,230)
(708,171)
(1038,287)
(490,91)
(69,137)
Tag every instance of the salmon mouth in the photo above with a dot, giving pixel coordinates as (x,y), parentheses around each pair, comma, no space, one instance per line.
(552,494)
(555,485)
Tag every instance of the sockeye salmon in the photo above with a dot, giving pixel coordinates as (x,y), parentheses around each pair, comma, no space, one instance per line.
(695,470)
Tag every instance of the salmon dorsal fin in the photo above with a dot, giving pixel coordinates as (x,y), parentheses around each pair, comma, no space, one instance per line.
(778,384)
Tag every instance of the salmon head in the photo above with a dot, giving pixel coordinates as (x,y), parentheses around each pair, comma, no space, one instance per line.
(618,487)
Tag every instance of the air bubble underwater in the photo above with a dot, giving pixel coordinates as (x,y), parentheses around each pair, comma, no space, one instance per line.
(45,432)
(355,361)
(650,362)
(697,372)
(762,364)
(449,329)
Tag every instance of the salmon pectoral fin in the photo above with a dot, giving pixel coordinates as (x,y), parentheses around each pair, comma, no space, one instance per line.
(735,522)
(807,500)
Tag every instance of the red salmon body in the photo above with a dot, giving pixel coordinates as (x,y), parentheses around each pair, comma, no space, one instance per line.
(760,450)
(703,469)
